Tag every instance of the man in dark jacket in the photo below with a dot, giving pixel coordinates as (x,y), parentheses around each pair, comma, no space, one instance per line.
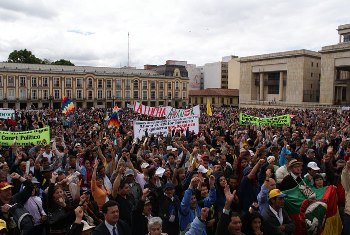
(276,219)
(294,178)
(142,214)
(112,224)
(7,200)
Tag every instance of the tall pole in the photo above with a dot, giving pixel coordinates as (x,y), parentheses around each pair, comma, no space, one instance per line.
(128,50)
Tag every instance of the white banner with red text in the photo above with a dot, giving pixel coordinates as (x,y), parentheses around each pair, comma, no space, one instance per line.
(166,126)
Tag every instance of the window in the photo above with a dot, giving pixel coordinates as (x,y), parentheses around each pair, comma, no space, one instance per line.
(127,94)
(45,82)
(69,93)
(312,74)
(161,95)
(79,83)
(11,94)
(317,65)
(144,95)
(56,94)
(109,83)
(161,85)
(118,84)
(22,81)
(213,100)
(45,94)
(177,85)
(34,94)
(347,38)
(136,94)
(273,82)
(1,94)
(109,94)
(176,95)
(144,85)
(90,95)
(136,85)
(11,81)
(99,83)
(56,82)
(23,94)
(69,83)
(118,94)
(312,64)
(34,82)
(79,94)
(184,95)
(153,95)
(169,85)
(0,80)
(90,83)
(202,100)
(99,94)
(153,85)
(169,95)
(127,84)
(184,86)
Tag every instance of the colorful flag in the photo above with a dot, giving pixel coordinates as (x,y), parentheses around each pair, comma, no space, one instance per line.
(320,216)
(209,112)
(67,105)
(114,119)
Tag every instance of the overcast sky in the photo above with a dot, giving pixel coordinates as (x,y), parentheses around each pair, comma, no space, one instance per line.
(91,32)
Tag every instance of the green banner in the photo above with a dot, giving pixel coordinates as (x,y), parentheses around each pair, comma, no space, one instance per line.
(271,121)
(35,137)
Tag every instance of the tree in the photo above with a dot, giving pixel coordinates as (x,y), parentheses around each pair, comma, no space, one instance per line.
(63,62)
(23,56)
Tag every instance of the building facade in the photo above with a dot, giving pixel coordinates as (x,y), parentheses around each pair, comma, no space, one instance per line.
(335,70)
(37,86)
(216,97)
(291,77)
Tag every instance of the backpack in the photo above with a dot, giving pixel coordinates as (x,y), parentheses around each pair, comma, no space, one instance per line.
(22,217)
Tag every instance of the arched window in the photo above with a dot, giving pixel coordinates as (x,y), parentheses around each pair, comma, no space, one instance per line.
(136,84)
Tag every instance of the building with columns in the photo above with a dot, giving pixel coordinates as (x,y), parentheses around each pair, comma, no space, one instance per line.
(37,85)
(291,77)
(335,70)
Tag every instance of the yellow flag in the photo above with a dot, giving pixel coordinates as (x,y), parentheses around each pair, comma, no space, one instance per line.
(209,108)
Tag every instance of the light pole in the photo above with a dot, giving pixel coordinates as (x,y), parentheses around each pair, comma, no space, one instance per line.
(113,97)
(50,99)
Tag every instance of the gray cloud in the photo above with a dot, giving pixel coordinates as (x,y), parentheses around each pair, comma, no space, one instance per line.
(35,8)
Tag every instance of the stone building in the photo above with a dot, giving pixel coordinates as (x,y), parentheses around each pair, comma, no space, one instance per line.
(217,97)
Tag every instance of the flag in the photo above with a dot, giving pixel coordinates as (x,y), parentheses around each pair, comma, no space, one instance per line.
(67,105)
(320,216)
(209,112)
(114,119)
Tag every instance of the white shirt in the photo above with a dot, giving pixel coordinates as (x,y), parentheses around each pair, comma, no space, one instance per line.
(278,214)
(110,228)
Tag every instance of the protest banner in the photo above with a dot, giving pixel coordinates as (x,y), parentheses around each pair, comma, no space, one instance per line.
(6,113)
(35,137)
(177,113)
(271,121)
(165,126)
(149,111)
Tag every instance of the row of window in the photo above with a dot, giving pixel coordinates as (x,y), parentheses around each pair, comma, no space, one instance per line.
(79,83)
(79,94)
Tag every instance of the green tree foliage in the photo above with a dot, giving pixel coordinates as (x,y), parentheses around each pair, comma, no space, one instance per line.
(63,62)
(27,57)
(23,56)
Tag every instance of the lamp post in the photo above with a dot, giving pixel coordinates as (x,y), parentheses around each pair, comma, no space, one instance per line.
(50,99)
(113,97)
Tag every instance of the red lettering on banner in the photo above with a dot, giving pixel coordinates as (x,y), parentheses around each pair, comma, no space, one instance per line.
(151,111)
(162,114)
(187,112)
(139,109)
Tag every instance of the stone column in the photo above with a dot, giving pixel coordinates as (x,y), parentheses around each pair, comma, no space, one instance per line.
(261,86)
(280,97)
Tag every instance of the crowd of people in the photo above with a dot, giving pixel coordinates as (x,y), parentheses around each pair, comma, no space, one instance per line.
(226,179)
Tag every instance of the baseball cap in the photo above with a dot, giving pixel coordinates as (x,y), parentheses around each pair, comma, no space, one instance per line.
(212,149)
(276,193)
(5,185)
(147,200)
(202,169)
(144,165)
(168,185)
(169,148)
(3,224)
(174,149)
(313,165)
(309,151)
(293,163)
(129,172)
(77,145)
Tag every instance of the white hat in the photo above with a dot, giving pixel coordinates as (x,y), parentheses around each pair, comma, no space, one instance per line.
(202,169)
(86,225)
(160,171)
(144,165)
(169,148)
(270,159)
(313,165)
(174,149)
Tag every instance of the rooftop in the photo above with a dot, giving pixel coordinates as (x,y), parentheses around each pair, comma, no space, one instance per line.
(215,92)
(279,55)
(344,46)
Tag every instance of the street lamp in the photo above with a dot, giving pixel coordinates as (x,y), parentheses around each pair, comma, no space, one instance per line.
(50,99)
(113,97)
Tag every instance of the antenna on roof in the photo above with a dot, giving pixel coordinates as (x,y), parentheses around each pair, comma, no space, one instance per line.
(128,49)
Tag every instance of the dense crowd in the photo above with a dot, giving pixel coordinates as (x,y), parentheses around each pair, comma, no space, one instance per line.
(226,179)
